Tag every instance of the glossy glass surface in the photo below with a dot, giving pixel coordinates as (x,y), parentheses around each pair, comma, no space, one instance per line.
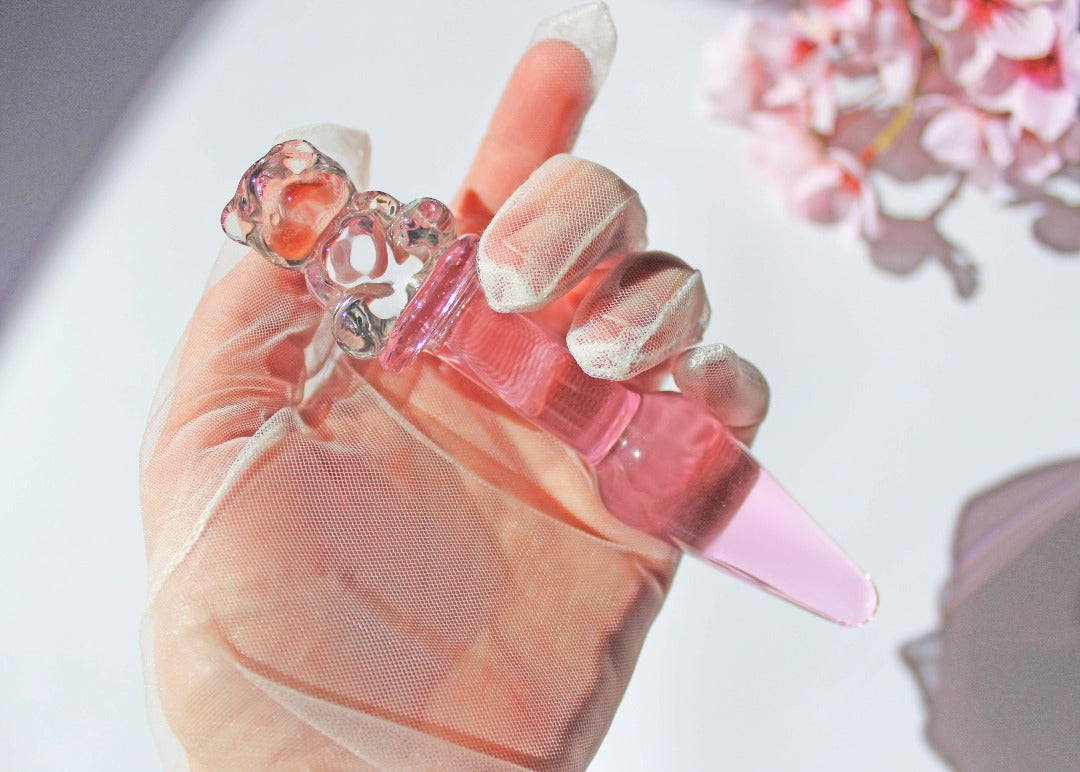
(286,203)
(399,284)
(677,473)
(363,255)
(664,464)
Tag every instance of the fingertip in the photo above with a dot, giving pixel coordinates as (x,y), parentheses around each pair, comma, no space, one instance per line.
(590,29)
(730,386)
(538,116)
(562,222)
(649,306)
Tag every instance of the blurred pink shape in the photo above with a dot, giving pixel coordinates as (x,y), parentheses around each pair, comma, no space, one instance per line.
(1058,223)
(1039,94)
(902,244)
(972,33)
(823,184)
(1001,676)
(885,48)
(771,65)
(984,146)
(847,15)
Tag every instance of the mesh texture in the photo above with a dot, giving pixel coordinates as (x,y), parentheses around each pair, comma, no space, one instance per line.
(377,571)
(567,217)
(355,569)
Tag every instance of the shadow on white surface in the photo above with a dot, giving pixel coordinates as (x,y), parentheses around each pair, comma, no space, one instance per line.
(1001,675)
(891,399)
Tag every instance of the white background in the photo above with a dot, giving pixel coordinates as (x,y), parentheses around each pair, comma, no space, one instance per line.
(893,400)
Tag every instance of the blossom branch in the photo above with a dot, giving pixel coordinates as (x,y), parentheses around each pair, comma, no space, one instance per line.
(839,92)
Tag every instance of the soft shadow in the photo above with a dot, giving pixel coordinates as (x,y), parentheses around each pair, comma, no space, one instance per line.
(1001,675)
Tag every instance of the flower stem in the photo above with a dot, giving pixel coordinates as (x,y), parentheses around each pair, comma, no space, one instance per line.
(888,134)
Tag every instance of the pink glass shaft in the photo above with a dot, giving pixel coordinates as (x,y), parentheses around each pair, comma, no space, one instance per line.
(536,376)
(789,556)
(663,463)
(677,473)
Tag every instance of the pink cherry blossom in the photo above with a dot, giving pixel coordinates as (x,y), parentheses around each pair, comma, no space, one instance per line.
(770,64)
(836,190)
(982,145)
(972,33)
(824,184)
(843,15)
(1036,159)
(1039,95)
(887,47)
(968,139)
(844,93)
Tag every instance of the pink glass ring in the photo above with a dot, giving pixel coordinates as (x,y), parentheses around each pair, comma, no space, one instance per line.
(399,282)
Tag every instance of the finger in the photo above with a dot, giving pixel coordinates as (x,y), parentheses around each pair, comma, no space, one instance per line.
(650,306)
(244,353)
(732,388)
(541,109)
(245,348)
(556,227)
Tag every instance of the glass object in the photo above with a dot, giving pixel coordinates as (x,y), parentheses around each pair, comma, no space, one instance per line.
(423,227)
(286,202)
(363,254)
(663,464)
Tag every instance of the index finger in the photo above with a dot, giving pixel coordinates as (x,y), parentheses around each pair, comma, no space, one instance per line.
(541,109)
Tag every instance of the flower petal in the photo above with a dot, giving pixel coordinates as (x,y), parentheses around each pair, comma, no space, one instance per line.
(954,137)
(1027,34)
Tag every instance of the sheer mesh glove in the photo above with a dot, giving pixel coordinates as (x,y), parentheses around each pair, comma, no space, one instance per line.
(353,569)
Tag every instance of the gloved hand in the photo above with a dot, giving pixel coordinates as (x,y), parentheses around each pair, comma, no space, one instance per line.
(353,569)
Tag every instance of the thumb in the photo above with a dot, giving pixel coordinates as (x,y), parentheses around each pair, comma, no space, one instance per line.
(245,356)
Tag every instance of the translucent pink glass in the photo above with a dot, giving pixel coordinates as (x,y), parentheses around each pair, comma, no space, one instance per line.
(663,464)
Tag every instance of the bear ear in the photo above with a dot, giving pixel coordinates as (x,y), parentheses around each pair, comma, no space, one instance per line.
(350,148)
(294,156)
(235,228)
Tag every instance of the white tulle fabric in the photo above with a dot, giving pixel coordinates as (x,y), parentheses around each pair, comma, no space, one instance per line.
(567,217)
(590,29)
(733,388)
(647,306)
(352,569)
(388,573)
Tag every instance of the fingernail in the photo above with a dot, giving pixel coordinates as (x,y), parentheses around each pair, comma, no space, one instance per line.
(715,376)
(349,147)
(648,307)
(556,227)
(505,287)
(588,28)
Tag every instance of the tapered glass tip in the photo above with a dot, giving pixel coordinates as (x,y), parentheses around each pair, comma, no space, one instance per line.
(772,543)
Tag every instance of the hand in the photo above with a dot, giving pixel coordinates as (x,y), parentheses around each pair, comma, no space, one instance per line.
(353,569)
